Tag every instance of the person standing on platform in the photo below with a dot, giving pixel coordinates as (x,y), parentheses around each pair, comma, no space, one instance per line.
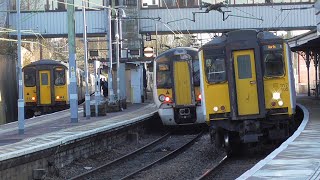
(105,88)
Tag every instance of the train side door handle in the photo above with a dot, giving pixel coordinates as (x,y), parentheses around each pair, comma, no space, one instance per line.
(253,82)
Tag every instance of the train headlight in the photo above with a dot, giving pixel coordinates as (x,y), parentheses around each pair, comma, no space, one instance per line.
(167,99)
(58,97)
(162,97)
(215,109)
(280,103)
(33,98)
(276,96)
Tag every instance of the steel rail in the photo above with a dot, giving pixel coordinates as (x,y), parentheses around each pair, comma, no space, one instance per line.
(213,169)
(85,174)
(164,158)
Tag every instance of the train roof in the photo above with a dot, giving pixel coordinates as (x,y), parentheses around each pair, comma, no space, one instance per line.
(242,35)
(170,52)
(46,62)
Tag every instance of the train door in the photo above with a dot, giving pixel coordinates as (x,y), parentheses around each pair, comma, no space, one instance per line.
(182,82)
(246,82)
(45,87)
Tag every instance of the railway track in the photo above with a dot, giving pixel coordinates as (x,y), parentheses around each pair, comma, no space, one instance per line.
(125,167)
(213,169)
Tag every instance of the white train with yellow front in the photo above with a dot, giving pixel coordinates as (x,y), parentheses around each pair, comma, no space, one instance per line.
(248,88)
(176,88)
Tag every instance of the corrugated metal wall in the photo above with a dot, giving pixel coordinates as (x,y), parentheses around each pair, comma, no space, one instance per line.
(273,18)
(54,24)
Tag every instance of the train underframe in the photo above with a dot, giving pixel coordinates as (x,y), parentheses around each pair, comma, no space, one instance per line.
(31,111)
(183,115)
(231,134)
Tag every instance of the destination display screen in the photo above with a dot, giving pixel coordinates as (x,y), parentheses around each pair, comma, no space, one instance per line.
(272,47)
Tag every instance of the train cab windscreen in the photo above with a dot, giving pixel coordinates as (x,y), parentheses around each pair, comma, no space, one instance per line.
(59,77)
(215,67)
(164,79)
(273,61)
(29,77)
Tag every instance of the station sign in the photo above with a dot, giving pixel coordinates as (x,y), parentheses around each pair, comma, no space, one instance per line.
(134,52)
(148,37)
(148,52)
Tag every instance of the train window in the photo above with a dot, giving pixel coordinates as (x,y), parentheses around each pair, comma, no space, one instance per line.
(215,69)
(244,67)
(273,63)
(59,76)
(164,67)
(29,77)
(196,72)
(164,76)
(44,79)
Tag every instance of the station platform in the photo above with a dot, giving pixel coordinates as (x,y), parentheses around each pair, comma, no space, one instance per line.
(54,129)
(299,156)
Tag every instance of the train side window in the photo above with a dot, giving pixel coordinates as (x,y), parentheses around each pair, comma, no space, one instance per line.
(215,69)
(164,76)
(29,77)
(273,63)
(59,77)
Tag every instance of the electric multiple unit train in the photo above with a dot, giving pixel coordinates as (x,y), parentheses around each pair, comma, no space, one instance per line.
(46,87)
(248,91)
(176,88)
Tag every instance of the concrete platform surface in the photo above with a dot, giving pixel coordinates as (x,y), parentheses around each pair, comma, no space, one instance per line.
(51,130)
(299,156)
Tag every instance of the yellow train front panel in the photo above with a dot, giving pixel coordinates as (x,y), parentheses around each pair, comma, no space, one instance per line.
(30,87)
(277,88)
(246,82)
(60,85)
(215,94)
(166,93)
(182,83)
(61,93)
(45,87)
(217,101)
(30,94)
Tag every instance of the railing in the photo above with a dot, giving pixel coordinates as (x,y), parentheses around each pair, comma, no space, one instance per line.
(61,5)
(155,4)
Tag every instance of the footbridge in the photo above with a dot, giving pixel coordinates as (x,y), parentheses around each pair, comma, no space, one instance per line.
(285,16)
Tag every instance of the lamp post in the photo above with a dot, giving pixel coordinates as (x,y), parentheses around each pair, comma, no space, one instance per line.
(20,100)
(87,96)
(117,37)
(111,94)
(122,69)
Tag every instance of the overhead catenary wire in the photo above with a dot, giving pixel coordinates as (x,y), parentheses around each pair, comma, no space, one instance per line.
(278,16)
(177,27)
(182,17)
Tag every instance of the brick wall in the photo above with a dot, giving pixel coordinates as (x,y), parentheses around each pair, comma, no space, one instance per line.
(21,168)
